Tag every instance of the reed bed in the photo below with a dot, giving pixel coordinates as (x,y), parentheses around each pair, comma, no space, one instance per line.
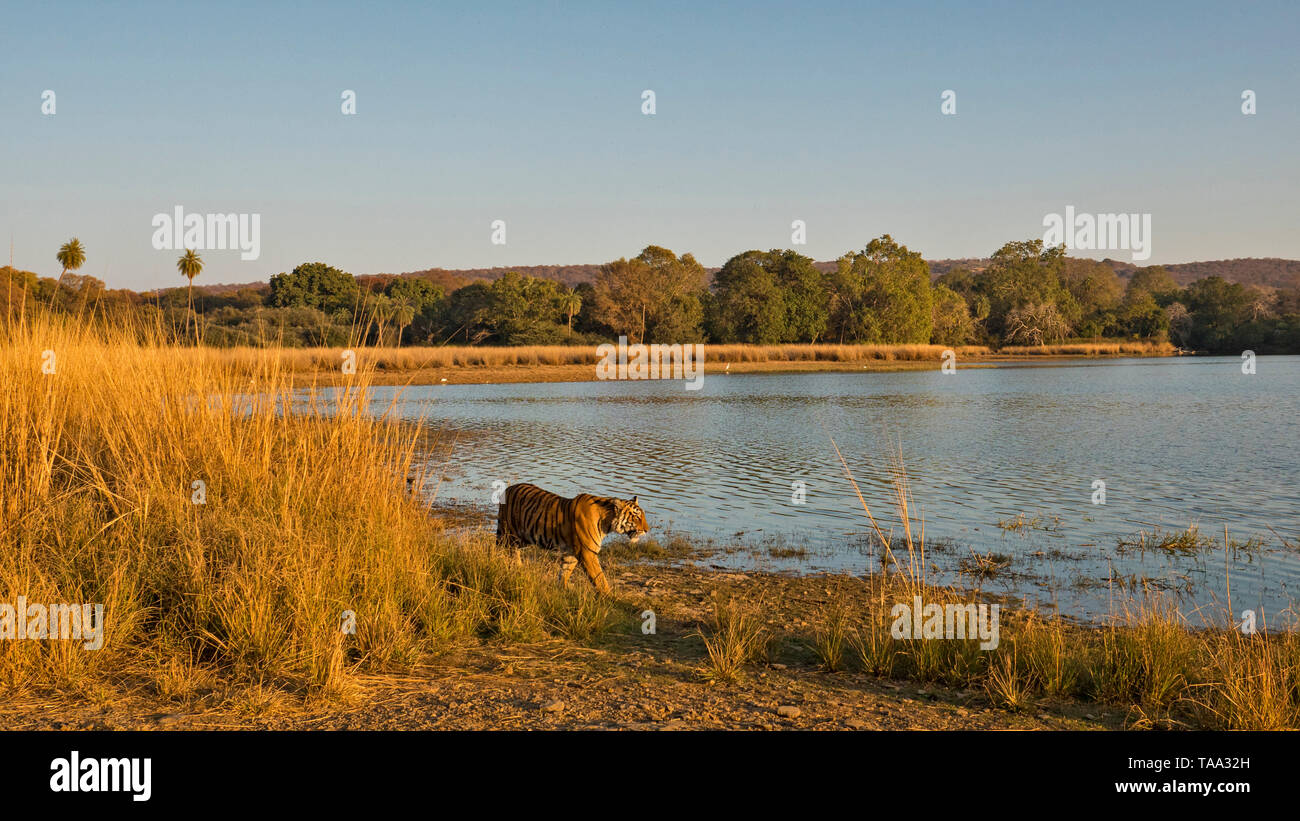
(387,360)
(317,360)
(1134,348)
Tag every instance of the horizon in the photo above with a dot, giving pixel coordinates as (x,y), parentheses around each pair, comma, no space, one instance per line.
(762,116)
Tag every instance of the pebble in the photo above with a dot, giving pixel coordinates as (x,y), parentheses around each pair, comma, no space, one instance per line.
(778,666)
(788,711)
(553,706)
(855,724)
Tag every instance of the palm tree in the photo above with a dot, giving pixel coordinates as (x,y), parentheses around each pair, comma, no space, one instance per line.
(572,303)
(403,315)
(190,265)
(71,256)
(381,308)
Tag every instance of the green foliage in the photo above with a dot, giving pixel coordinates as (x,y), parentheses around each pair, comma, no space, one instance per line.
(317,285)
(881,295)
(1217,307)
(1025,274)
(524,310)
(766,299)
(71,255)
(953,324)
(654,297)
(419,307)
(1156,281)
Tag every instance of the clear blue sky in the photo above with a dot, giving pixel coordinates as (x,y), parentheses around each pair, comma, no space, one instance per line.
(531,113)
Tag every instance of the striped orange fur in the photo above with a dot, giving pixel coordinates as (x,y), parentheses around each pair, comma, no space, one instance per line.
(531,515)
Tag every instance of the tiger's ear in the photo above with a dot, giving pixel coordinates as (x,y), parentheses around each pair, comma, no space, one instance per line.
(633,500)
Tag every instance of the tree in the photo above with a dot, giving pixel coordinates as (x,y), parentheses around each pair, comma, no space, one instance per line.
(1217,308)
(524,310)
(748,303)
(317,285)
(403,316)
(190,265)
(1179,322)
(767,297)
(953,324)
(1141,316)
(881,295)
(467,313)
(654,297)
(1156,281)
(1023,274)
(1096,289)
(620,297)
(380,310)
(426,302)
(572,303)
(71,256)
(1035,323)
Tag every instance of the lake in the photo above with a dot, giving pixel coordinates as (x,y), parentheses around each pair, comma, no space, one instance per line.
(1177,442)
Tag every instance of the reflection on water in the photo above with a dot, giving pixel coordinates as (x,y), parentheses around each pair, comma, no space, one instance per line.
(1176,441)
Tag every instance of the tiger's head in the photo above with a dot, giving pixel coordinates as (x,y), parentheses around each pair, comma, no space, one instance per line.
(629,519)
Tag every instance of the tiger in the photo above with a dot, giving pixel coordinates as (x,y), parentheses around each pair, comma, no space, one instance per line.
(531,515)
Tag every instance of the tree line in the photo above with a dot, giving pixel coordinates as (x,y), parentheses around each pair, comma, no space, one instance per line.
(1026,294)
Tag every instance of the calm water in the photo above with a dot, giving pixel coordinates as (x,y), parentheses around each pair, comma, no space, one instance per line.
(1177,442)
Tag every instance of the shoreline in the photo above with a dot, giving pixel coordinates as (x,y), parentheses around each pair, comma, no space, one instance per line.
(379,374)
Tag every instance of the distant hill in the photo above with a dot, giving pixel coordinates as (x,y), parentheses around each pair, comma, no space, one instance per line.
(450,279)
(939,267)
(1268,271)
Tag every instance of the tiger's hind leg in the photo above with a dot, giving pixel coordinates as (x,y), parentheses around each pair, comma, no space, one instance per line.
(502,534)
(566,570)
(504,537)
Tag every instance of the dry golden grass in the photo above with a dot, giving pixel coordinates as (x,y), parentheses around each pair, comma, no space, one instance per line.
(1136,348)
(309,511)
(313,360)
(578,362)
(320,360)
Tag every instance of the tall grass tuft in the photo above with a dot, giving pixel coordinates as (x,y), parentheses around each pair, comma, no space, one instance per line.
(226,522)
(738,639)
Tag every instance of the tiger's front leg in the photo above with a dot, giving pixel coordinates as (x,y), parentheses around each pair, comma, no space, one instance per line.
(591,563)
